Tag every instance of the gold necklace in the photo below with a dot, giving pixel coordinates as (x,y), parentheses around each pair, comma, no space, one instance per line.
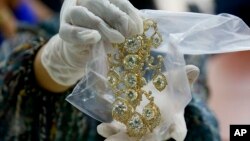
(126,73)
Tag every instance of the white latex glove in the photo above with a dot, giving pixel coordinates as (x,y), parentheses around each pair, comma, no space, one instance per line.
(83,25)
(177,130)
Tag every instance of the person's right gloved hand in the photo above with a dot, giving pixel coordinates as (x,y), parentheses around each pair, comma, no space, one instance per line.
(83,24)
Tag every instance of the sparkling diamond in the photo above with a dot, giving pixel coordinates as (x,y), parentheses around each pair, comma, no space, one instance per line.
(148,113)
(131,94)
(113,78)
(133,45)
(136,122)
(136,126)
(160,82)
(131,62)
(120,107)
(151,114)
(130,80)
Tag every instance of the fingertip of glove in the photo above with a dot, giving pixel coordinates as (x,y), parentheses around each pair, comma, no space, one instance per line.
(100,129)
(97,36)
(192,73)
(138,20)
(118,38)
(106,130)
(90,37)
(121,40)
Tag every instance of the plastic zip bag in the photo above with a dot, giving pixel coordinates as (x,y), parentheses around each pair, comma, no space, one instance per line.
(183,33)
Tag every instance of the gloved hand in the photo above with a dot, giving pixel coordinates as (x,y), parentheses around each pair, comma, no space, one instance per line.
(177,130)
(84,24)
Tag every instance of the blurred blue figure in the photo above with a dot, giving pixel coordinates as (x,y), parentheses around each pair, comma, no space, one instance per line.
(24,14)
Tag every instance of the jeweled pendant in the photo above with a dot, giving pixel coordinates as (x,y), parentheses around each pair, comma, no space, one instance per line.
(151,114)
(132,45)
(136,126)
(130,80)
(131,94)
(121,110)
(131,62)
(113,78)
(134,97)
(160,82)
(156,39)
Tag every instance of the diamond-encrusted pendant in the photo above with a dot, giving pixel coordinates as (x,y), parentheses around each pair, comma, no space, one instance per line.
(134,97)
(113,78)
(136,126)
(156,39)
(131,95)
(160,81)
(130,80)
(131,62)
(151,114)
(132,45)
(121,110)
(148,113)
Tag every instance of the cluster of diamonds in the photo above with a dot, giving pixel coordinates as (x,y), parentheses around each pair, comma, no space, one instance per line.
(126,76)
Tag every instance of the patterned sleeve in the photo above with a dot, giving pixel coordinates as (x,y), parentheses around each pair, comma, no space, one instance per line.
(30,113)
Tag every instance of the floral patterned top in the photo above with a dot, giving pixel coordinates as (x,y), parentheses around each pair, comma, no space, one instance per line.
(30,113)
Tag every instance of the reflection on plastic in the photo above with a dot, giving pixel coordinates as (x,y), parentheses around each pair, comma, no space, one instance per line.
(95,99)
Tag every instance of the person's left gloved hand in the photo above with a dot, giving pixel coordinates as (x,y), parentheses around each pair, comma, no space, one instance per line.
(177,130)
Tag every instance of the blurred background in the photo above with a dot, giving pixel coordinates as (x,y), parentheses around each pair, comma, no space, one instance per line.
(226,76)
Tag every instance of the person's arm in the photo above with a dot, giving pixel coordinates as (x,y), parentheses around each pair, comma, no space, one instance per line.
(43,78)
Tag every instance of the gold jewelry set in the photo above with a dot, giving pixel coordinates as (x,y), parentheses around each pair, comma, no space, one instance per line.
(126,77)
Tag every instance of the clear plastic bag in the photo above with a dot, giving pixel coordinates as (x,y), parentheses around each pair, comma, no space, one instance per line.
(92,96)
(183,33)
